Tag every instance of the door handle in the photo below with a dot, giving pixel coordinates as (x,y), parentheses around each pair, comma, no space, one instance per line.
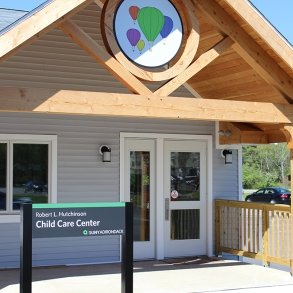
(167,208)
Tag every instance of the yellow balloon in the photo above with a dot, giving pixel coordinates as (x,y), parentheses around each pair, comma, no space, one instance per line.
(140,45)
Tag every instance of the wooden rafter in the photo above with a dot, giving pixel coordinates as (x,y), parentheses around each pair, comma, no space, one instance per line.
(104,58)
(247,48)
(151,106)
(100,3)
(32,28)
(263,29)
(205,59)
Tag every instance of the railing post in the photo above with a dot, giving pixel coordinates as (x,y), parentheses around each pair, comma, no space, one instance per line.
(218,229)
(265,236)
(288,131)
(291,215)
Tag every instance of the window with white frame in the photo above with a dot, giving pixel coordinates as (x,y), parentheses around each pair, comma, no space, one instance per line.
(27,167)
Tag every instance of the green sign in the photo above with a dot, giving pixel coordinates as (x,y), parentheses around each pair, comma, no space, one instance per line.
(78,220)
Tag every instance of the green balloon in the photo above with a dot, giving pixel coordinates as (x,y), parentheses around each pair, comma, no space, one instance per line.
(151,21)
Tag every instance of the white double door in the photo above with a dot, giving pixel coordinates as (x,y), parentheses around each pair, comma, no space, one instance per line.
(167,185)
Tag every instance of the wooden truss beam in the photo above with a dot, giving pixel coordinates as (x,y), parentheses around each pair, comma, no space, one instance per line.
(263,29)
(247,48)
(238,133)
(38,24)
(205,59)
(151,106)
(244,133)
(98,53)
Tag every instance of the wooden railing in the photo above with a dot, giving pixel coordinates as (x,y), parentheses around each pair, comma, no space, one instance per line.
(255,230)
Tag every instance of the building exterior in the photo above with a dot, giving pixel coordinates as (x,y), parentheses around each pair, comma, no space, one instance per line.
(67,89)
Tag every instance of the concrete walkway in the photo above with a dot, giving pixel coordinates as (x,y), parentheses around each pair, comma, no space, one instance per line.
(180,276)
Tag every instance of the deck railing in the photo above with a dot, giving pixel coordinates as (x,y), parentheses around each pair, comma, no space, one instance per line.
(254,230)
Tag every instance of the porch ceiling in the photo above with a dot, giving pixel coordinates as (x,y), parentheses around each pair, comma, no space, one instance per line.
(235,61)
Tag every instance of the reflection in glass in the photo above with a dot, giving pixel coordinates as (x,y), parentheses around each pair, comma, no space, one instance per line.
(140,194)
(185,224)
(185,176)
(3,168)
(30,174)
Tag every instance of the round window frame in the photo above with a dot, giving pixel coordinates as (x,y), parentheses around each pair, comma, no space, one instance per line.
(129,57)
(180,61)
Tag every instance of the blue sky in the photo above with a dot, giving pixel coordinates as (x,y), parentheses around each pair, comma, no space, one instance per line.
(278,12)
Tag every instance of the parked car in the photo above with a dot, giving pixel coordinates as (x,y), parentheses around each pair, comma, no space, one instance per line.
(16,202)
(273,195)
(34,187)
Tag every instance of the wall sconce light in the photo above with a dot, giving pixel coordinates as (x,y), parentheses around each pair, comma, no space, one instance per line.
(227,155)
(105,152)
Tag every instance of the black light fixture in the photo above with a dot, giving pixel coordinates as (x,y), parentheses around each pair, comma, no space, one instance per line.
(227,155)
(105,152)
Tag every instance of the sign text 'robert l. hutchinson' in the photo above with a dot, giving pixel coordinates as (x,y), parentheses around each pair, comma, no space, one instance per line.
(77,220)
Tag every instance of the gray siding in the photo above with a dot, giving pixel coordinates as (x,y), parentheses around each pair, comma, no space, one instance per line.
(225,177)
(83,177)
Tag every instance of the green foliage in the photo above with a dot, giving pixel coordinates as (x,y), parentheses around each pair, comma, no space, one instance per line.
(265,165)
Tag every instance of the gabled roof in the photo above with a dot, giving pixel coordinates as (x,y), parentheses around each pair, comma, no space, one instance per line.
(40,21)
(240,56)
(9,16)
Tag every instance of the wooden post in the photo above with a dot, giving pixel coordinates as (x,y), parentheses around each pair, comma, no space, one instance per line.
(265,236)
(218,230)
(288,131)
(291,172)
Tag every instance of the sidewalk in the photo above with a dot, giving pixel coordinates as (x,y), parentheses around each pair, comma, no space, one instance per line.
(180,276)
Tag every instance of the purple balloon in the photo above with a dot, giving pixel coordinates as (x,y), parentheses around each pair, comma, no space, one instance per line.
(133,36)
(167,27)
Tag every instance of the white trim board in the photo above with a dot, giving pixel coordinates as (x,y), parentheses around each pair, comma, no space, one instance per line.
(51,140)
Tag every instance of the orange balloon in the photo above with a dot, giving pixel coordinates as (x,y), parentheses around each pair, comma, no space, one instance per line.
(133,11)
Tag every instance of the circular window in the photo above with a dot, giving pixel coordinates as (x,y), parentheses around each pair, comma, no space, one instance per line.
(146,35)
(148,32)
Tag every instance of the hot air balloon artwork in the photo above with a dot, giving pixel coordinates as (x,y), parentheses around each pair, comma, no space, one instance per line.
(133,36)
(148,32)
(151,22)
(167,27)
(133,11)
(140,45)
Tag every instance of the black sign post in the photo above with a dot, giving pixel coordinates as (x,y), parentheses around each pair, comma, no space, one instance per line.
(76,220)
(26,249)
(127,251)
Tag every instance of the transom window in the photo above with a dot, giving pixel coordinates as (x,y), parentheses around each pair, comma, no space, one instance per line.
(26,170)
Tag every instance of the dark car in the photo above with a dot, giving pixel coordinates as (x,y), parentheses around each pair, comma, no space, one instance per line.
(34,187)
(274,195)
(16,202)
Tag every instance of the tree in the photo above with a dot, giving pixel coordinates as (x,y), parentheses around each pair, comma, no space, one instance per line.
(265,165)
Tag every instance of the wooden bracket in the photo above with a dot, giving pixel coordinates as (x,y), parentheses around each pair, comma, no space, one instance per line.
(98,53)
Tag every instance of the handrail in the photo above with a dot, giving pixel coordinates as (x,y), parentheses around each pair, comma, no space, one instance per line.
(255,230)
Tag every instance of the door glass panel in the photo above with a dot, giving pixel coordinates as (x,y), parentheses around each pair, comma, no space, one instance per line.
(3,168)
(185,176)
(140,194)
(185,224)
(30,174)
